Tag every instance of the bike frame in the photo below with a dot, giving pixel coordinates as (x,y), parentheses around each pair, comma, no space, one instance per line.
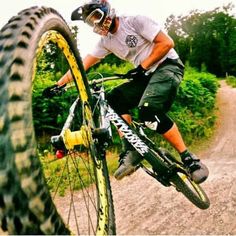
(108,116)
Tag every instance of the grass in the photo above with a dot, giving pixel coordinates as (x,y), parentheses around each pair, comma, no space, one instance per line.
(56,170)
(75,172)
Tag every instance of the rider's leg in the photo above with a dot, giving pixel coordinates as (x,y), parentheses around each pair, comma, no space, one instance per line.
(157,99)
(174,137)
(122,99)
(129,157)
(163,125)
(128,119)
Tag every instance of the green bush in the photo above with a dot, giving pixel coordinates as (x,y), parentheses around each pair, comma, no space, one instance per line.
(49,114)
(193,109)
(231,80)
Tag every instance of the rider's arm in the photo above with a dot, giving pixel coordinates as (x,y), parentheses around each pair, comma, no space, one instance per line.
(88,61)
(162,44)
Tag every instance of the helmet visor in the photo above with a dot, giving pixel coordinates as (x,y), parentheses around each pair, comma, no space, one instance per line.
(94,17)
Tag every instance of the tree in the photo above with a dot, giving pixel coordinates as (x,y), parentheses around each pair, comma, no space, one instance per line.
(206,38)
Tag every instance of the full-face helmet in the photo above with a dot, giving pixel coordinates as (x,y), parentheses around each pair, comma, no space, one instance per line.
(96,13)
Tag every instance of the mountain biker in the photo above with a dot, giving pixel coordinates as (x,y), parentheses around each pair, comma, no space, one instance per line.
(156,78)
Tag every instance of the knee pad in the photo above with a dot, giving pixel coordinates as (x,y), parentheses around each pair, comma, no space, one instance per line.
(155,120)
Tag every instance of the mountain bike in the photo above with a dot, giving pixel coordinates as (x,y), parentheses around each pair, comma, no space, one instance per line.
(29,202)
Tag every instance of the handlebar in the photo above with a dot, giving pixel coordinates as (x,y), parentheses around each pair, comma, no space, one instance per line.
(99,81)
(56,90)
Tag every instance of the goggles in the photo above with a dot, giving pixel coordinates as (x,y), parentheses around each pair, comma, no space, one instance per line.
(95,17)
(103,28)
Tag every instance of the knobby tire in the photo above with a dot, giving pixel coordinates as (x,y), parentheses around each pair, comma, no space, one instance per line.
(183,183)
(195,194)
(26,204)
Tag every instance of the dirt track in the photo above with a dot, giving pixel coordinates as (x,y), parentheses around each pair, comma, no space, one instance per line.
(143,206)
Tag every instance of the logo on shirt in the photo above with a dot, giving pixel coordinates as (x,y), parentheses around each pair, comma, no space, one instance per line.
(131,41)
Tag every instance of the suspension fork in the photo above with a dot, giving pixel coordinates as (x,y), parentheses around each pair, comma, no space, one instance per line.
(67,139)
(105,123)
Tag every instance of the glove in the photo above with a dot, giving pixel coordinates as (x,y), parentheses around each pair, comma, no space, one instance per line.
(136,73)
(54,90)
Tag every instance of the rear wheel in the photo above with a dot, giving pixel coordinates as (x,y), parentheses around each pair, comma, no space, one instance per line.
(191,190)
(70,193)
(183,183)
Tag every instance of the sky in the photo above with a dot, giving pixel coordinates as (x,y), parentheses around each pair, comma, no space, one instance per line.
(157,9)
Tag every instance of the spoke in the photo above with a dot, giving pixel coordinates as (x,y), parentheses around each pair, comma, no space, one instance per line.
(90,169)
(60,178)
(85,188)
(72,199)
(86,195)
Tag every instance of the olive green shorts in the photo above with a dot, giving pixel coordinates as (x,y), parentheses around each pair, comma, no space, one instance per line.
(158,92)
(162,88)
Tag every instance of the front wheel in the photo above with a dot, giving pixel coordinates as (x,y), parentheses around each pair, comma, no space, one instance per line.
(36,46)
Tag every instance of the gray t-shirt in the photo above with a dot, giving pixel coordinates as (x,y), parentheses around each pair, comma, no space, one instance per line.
(133,41)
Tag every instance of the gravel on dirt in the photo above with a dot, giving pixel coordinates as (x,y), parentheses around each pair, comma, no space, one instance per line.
(143,206)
